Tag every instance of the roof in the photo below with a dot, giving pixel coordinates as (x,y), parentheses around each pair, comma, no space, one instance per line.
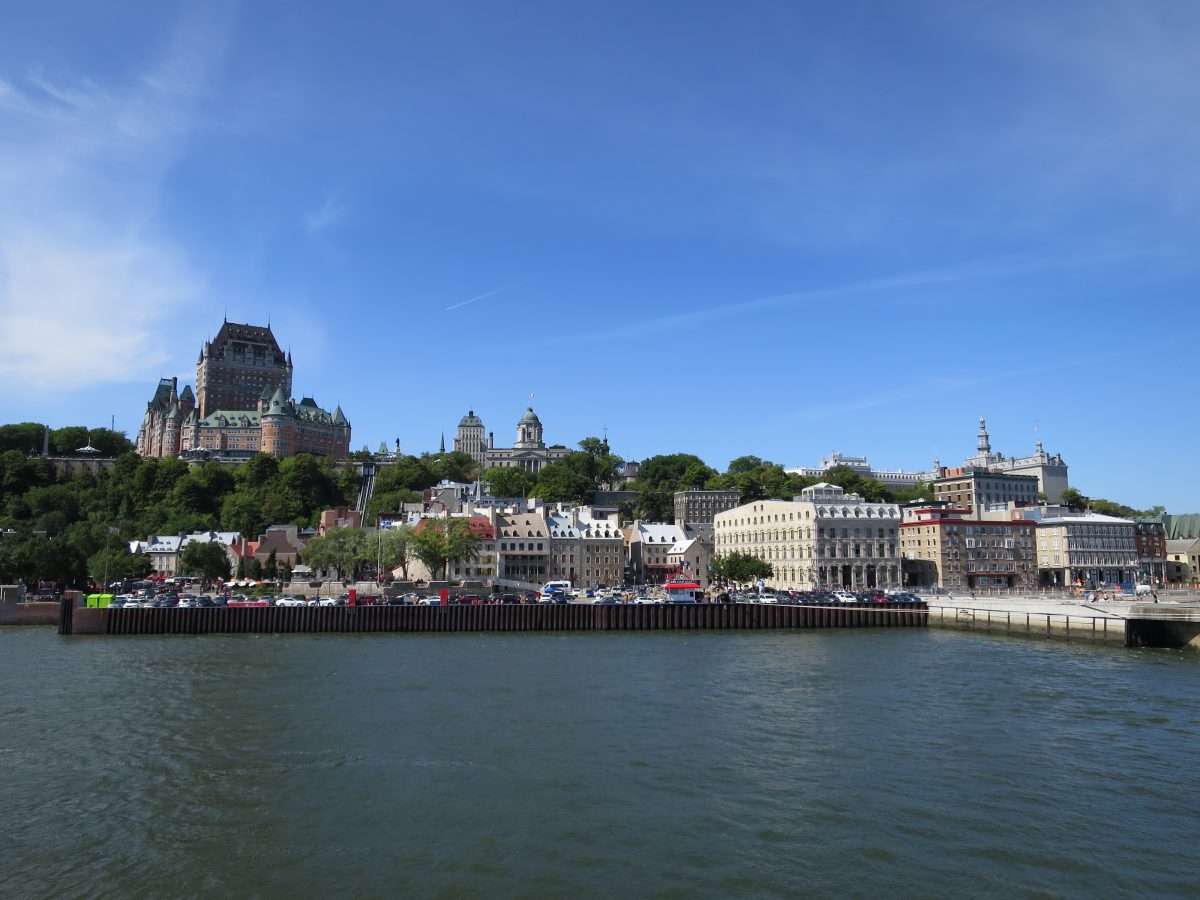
(521,525)
(530,417)
(243,418)
(561,527)
(1088,519)
(165,544)
(162,393)
(1185,526)
(470,420)
(253,334)
(211,537)
(660,532)
(681,546)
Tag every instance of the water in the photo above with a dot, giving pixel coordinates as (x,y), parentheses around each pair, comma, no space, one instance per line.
(825,764)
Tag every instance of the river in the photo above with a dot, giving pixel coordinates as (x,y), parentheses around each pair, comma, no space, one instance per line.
(891,763)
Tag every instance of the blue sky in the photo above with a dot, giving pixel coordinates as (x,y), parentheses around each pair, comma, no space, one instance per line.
(772,228)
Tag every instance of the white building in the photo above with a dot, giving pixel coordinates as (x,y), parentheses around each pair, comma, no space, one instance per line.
(898,479)
(825,538)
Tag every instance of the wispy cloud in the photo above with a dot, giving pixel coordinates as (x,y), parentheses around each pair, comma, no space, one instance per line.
(508,287)
(902,281)
(329,213)
(87,278)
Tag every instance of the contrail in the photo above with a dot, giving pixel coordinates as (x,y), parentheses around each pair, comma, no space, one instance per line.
(488,294)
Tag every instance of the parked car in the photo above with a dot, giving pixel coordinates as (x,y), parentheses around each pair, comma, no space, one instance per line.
(291,601)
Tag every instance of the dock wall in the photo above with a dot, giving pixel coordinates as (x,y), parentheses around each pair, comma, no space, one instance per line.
(508,618)
(1064,626)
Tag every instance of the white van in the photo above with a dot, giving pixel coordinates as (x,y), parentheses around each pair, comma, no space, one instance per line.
(550,588)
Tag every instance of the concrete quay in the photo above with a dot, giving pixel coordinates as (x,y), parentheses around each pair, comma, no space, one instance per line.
(1115,622)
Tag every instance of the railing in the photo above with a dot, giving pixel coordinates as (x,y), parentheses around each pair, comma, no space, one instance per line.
(1167,613)
(995,621)
(364,495)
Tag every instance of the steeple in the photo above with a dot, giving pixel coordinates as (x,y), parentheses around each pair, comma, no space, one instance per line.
(442,446)
(985,445)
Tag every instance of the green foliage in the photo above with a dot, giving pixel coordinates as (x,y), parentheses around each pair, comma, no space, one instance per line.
(207,559)
(574,479)
(396,548)
(740,568)
(340,549)
(391,501)
(659,477)
(440,542)
(509,481)
(111,564)
(1074,499)
(24,438)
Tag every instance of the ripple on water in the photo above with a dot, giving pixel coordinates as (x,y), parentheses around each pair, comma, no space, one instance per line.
(818,764)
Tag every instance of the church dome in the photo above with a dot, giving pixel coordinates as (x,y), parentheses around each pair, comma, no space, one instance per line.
(530,418)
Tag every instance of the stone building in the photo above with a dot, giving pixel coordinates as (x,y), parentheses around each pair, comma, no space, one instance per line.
(897,480)
(1151,550)
(960,548)
(239,367)
(980,488)
(522,546)
(1049,470)
(469,438)
(528,452)
(585,549)
(700,506)
(648,548)
(825,538)
(1088,550)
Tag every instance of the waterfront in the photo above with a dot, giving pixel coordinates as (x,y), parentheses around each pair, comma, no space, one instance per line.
(903,763)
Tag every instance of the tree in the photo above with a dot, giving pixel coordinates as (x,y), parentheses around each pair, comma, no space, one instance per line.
(508,481)
(440,542)
(606,466)
(397,547)
(111,563)
(659,477)
(1073,499)
(570,479)
(242,512)
(455,466)
(340,549)
(740,568)
(24,438)
(206,559)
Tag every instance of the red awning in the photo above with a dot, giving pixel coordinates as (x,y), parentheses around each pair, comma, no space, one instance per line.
(681,586)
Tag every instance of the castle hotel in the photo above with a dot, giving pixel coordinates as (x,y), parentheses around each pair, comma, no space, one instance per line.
(242,406)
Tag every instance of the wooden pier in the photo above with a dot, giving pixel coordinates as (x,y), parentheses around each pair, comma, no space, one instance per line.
(543,617)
